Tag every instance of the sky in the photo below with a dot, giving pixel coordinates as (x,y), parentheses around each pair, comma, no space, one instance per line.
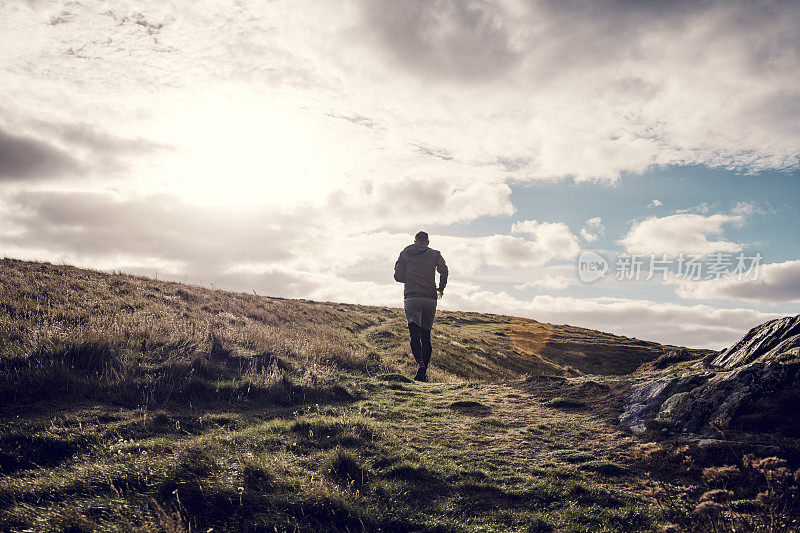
(294,148)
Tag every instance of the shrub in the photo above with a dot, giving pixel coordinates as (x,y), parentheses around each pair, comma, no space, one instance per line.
(776,506)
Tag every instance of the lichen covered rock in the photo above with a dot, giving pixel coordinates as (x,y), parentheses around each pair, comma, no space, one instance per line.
(761,343)
(756,389)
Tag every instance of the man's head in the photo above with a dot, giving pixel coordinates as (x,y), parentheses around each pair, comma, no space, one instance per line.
(421,238)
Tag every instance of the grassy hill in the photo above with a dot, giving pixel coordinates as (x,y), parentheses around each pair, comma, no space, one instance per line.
(132,403)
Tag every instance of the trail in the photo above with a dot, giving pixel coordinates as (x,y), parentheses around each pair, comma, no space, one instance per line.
(503,427)
(512,429)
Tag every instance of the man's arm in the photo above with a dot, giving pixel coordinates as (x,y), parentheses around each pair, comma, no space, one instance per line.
(400,269)
(441,266)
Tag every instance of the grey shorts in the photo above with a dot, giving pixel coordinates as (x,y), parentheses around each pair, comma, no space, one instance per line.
(421,311)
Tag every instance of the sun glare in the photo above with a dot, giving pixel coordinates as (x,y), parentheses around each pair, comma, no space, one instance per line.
(236,152)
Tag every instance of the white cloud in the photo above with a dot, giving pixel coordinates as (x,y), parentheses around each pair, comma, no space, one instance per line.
(548,281)
(554,239)
(548,241)
(682,233)
(774,283)
(693,326)
(593,229)
(479,83)
(746,209)
(700,208)
(655,203)
(440,192)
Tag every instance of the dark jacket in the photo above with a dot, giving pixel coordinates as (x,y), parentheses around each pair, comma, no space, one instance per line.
(416,267)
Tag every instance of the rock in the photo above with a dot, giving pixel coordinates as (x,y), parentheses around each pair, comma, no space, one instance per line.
(730,394)
(674,404)
(718,401)
(642,404)
(761,343)
(757,390)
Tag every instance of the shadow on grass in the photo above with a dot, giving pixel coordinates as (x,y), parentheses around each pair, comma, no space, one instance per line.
(21,452)
(470,407)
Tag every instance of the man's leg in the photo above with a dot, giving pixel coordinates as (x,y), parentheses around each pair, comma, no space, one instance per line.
(426,347)
(416,343)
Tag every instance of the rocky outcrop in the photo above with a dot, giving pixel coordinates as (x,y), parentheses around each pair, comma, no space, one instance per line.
(759,390)
(646,399)
(724,399)
(761,343)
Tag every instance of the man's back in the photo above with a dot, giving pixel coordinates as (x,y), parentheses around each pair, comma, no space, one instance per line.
(416,268)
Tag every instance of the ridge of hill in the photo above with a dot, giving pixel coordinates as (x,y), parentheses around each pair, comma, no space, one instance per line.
(128,403)
(468,345)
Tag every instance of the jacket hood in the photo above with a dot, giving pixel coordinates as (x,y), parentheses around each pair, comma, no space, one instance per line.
(415,249)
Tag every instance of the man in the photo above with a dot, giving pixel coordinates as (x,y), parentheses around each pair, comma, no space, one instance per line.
(416,268)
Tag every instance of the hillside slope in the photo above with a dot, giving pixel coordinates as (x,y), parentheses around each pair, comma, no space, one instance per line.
(65,301)
(132,403)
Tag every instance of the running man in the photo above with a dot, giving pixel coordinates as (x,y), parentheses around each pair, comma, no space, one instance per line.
(416,269)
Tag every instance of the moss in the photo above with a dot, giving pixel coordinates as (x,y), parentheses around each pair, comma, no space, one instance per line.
(565,403)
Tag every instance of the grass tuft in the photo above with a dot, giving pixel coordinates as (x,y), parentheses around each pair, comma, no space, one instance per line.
(344,466)
(607,468)
(565,403)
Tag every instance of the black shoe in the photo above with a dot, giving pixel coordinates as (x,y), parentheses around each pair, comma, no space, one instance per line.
(421,375)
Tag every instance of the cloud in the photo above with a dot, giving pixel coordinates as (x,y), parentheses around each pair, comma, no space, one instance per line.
(774,283)
(682,233)
(593,229)
(505,251)
(553,238)
(655,203)
(64,17)
(44,149)
(746,209)
(547,282)
(702,207)
(694,326)
(101,225)
(538,90)
(96,140)
(27,158)
(604,82)
(411,199)
(468,41)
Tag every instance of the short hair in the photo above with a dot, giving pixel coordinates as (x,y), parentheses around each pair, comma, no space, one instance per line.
(421,237)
